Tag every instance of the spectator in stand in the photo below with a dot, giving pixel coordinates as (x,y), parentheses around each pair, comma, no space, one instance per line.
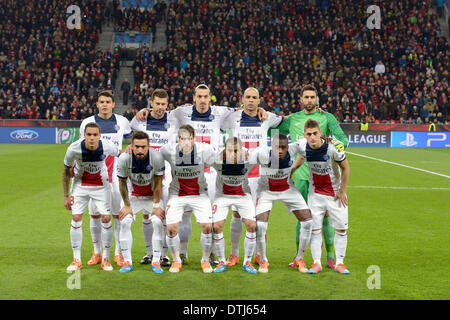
(126,88)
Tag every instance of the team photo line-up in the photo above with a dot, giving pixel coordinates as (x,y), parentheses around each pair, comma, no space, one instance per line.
(176,165)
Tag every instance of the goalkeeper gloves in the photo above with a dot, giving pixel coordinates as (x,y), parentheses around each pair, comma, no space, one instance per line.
(338,144)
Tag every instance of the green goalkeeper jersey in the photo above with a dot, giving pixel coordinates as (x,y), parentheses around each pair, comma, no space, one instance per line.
(294,124)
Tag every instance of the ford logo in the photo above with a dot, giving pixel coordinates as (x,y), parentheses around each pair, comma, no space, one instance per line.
(24,135)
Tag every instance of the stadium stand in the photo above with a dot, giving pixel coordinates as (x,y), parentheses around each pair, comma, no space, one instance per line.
(279,45)
(47,70)
(396,74)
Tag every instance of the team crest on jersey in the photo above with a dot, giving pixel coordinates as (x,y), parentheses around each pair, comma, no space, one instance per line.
(211,117)
(117,127)
(149,168)
(166,126)
(103,157)
(244,170)
(326,157)
(290,163)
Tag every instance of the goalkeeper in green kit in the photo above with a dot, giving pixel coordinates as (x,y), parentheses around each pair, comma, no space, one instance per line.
(293,125)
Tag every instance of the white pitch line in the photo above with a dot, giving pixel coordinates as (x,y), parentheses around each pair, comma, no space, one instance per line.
(398,188)
(399,164)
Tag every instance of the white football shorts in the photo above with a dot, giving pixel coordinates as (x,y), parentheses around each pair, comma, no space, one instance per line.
(243,204)
(291,198)
(200,205)
(320,203)
(100,198)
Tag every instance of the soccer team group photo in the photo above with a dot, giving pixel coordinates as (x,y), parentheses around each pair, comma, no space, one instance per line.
(213,150)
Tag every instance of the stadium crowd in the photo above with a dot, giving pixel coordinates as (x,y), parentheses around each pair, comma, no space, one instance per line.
(47,70)
(398,73)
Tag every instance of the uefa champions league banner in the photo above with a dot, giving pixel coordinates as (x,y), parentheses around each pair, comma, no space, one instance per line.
(369,138)
(27,135)
(420,139)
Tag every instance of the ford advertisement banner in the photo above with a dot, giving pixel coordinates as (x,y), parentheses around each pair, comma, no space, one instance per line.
(412,139)
(369,138)
(27,135)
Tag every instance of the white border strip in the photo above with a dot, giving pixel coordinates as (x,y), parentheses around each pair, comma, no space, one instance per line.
(399,164)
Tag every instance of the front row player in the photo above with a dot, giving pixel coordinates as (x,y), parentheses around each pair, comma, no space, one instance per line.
(188,191)
(145,168)
(275,184)
(232,189)
(326,192)
(90,182)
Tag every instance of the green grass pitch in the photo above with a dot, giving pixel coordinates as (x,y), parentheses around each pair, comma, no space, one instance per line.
(403,231)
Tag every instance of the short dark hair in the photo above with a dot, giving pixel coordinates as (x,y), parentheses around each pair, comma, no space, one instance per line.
(140,135)
(187,128)
(308,87)
(310,124)
(106,93)
(160,93)
(93,125)
(281,137)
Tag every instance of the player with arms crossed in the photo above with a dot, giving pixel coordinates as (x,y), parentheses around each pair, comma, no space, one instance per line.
(276,184)
(145,169)
(326,193)
(188,192)
(90,183)
(233,191)
(160,132)
(293,125)
(115,128)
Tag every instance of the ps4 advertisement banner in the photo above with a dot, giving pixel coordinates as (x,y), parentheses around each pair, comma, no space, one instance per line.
(420,139)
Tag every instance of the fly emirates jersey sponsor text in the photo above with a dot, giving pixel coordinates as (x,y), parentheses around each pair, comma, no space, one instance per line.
(324,172)
(115,129)
(275,172)
(141,172)
(251,131)
(232,178)
(160,131)
(188,178)
(90,169)
(206,125)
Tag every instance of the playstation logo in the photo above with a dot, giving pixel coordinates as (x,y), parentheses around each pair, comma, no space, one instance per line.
(409,142)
